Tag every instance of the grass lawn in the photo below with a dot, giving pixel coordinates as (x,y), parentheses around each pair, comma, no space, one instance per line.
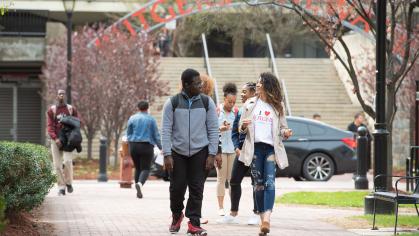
(388,220)
(332,199)
(89,169)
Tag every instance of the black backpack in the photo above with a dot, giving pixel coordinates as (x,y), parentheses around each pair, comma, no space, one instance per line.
(175,101)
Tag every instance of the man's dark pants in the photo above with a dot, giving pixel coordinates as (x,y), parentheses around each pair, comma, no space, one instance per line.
(188,172)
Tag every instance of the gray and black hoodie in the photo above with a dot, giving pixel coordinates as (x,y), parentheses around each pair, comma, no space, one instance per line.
(190,127)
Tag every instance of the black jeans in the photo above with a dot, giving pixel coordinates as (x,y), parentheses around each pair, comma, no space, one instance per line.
(237,175)
(142,154)
(188,172)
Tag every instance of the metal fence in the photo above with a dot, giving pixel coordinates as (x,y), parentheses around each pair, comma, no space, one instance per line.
(24,23)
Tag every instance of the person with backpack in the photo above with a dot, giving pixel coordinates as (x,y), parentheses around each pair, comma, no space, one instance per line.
(226,114)
(142,135)
(190,143)
(263,120)
(63,160)
(239,169)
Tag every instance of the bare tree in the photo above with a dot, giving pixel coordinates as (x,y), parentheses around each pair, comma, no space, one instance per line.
(86,84)
(128,73)
(54,74)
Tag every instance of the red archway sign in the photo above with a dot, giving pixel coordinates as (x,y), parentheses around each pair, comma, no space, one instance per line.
(157,13)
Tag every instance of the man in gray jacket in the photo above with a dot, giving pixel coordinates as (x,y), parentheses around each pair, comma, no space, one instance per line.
(190,143)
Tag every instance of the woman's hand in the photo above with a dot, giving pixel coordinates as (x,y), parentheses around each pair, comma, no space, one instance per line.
(237,152)
(226,126)
(245,124)
(287,133)
(218,161)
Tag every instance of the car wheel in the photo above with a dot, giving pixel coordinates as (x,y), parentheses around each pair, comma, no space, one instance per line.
(318,167)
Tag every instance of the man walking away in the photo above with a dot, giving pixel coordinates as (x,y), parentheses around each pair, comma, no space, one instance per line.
(359,120)
(190,142)
(63,160)
(142,135)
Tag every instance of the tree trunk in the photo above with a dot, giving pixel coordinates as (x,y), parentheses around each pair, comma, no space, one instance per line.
(89,147)
(116,144)
(390,111)
(108,136)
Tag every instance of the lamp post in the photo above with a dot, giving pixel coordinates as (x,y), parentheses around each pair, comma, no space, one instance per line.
(69,8)
(381,133)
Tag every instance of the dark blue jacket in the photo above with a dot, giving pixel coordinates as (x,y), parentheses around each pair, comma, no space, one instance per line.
(238,139)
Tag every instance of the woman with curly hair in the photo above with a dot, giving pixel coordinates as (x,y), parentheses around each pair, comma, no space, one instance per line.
(207,85)
(263,121)
(226,116)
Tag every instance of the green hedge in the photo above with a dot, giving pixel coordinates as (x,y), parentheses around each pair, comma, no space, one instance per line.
(25,175)
(2,217)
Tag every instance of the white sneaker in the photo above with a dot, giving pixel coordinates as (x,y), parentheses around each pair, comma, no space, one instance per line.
(221,212)
(254,220)
(228,219)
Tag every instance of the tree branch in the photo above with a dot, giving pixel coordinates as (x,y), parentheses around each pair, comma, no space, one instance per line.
(399,84)
(407,45)
(352,73)
(391,43)
(414,59)
(361,11)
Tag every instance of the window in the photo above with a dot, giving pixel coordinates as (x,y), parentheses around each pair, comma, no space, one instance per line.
(298,129)
(316,130)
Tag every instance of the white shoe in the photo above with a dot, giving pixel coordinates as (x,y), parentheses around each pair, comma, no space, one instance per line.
(254,220)
(228,219)
(221,212)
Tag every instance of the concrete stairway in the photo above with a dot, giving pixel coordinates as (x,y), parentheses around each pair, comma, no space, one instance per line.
(238,71)
(314,87)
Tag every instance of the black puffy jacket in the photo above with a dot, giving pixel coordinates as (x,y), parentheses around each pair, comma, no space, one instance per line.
(70,135)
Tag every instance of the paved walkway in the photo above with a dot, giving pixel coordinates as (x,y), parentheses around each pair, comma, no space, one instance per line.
(105,209)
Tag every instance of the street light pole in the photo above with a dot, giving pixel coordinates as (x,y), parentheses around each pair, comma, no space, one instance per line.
(69,8)
(381,133)
(69,55)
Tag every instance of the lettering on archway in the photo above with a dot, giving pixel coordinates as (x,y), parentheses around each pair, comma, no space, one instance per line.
(156,13)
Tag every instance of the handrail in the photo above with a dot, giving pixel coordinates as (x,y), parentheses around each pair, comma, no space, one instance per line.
(275,71)
(208,66)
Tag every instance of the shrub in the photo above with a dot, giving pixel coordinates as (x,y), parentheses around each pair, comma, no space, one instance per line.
(25,175)
(2,210)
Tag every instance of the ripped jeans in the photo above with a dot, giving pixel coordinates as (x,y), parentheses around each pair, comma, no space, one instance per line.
(263,171)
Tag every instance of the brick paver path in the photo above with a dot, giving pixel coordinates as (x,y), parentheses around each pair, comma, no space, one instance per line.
(105,209)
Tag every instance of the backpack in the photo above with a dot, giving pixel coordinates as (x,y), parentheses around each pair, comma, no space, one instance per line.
(235,109)
(70,134)
(54,110)
(175,101)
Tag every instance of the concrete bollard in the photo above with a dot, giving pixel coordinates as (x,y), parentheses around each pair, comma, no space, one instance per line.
(102,160)
(361,181)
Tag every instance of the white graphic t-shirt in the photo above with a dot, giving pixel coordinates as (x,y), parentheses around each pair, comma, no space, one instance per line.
(262,122)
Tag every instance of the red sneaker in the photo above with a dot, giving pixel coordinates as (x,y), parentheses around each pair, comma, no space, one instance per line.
(176,222)
(196,230)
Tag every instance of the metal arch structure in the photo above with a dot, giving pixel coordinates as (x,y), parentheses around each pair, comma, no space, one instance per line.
(162,13)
